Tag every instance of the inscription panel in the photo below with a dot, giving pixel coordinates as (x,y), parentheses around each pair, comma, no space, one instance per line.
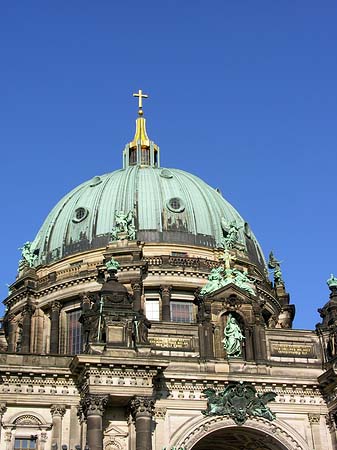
(291,349)
(171,342)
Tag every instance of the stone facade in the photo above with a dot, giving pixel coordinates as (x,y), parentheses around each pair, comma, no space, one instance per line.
(123,347)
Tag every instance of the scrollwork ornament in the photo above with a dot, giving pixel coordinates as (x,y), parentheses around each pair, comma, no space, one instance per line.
(141,406)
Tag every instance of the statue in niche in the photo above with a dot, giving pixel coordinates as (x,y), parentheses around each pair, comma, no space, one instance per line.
(275,265)
(28,255)
(141,326)
(231,234)
(233,337)
(124,224)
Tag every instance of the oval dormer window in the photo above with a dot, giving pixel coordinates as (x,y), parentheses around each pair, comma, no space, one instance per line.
(80,214)
(175,204)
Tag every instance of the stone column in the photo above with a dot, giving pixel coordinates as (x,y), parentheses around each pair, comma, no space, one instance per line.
(137,296)
(3,409)
(142,411)
(165,302)
(11,321)
(331,424)
(26,327)
(57,412)
(314,420)
(8,440)
(55,327)
(248,343)
(93,407)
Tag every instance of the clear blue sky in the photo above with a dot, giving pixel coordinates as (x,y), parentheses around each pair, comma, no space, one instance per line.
(242,93)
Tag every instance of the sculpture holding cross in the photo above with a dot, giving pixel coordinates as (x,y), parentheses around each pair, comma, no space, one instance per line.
(140,96)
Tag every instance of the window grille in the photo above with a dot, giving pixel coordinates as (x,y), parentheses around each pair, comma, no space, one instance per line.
(181,312)
(152,309)
(25,444)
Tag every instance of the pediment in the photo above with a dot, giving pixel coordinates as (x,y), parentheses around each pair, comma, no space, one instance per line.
(113,430)
(225,292)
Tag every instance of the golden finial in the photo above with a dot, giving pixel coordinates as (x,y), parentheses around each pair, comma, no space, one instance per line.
(140,96)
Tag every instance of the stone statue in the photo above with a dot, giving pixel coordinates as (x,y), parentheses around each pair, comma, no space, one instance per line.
(232,337)
(231,233)
(332,281)
(28,255)
(124,224)
(275,265)
(141,326)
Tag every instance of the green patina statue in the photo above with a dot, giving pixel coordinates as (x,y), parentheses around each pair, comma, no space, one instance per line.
(239,401)
(233,338)
(220,277)
(275,265)
(332,281)
(231,234)
(28,255)
(112,265)
(124,225)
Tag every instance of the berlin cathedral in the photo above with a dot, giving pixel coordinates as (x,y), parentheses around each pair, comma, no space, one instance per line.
(144,316)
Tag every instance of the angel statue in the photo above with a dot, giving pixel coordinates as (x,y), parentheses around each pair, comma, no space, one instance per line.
(124,223)
(233,337)
(275,265)
(28,255)
(231,233)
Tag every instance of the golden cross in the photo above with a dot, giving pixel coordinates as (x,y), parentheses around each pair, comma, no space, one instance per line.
(140,96)
(227,258)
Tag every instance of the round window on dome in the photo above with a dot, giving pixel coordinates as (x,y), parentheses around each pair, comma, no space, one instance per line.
(80,214)
(175,204)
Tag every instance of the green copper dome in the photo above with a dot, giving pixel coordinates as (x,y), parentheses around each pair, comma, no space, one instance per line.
(168,206)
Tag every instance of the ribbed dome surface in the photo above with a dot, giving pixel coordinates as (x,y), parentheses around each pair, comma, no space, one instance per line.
(169,205)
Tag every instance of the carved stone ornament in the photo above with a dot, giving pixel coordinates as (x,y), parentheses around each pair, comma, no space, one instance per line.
(56,306)
(165,290)
(239,401)
(27,419)
(3,408)
(137,286)
(141,406)
(94,404)
(57,410)
(314,418)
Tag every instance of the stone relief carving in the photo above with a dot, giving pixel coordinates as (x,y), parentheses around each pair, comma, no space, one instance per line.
(239,401)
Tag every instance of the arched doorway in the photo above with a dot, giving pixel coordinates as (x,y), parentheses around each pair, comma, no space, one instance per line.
(238,438)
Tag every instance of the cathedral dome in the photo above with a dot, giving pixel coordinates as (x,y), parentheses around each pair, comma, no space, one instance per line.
(165,206)
(169,206)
